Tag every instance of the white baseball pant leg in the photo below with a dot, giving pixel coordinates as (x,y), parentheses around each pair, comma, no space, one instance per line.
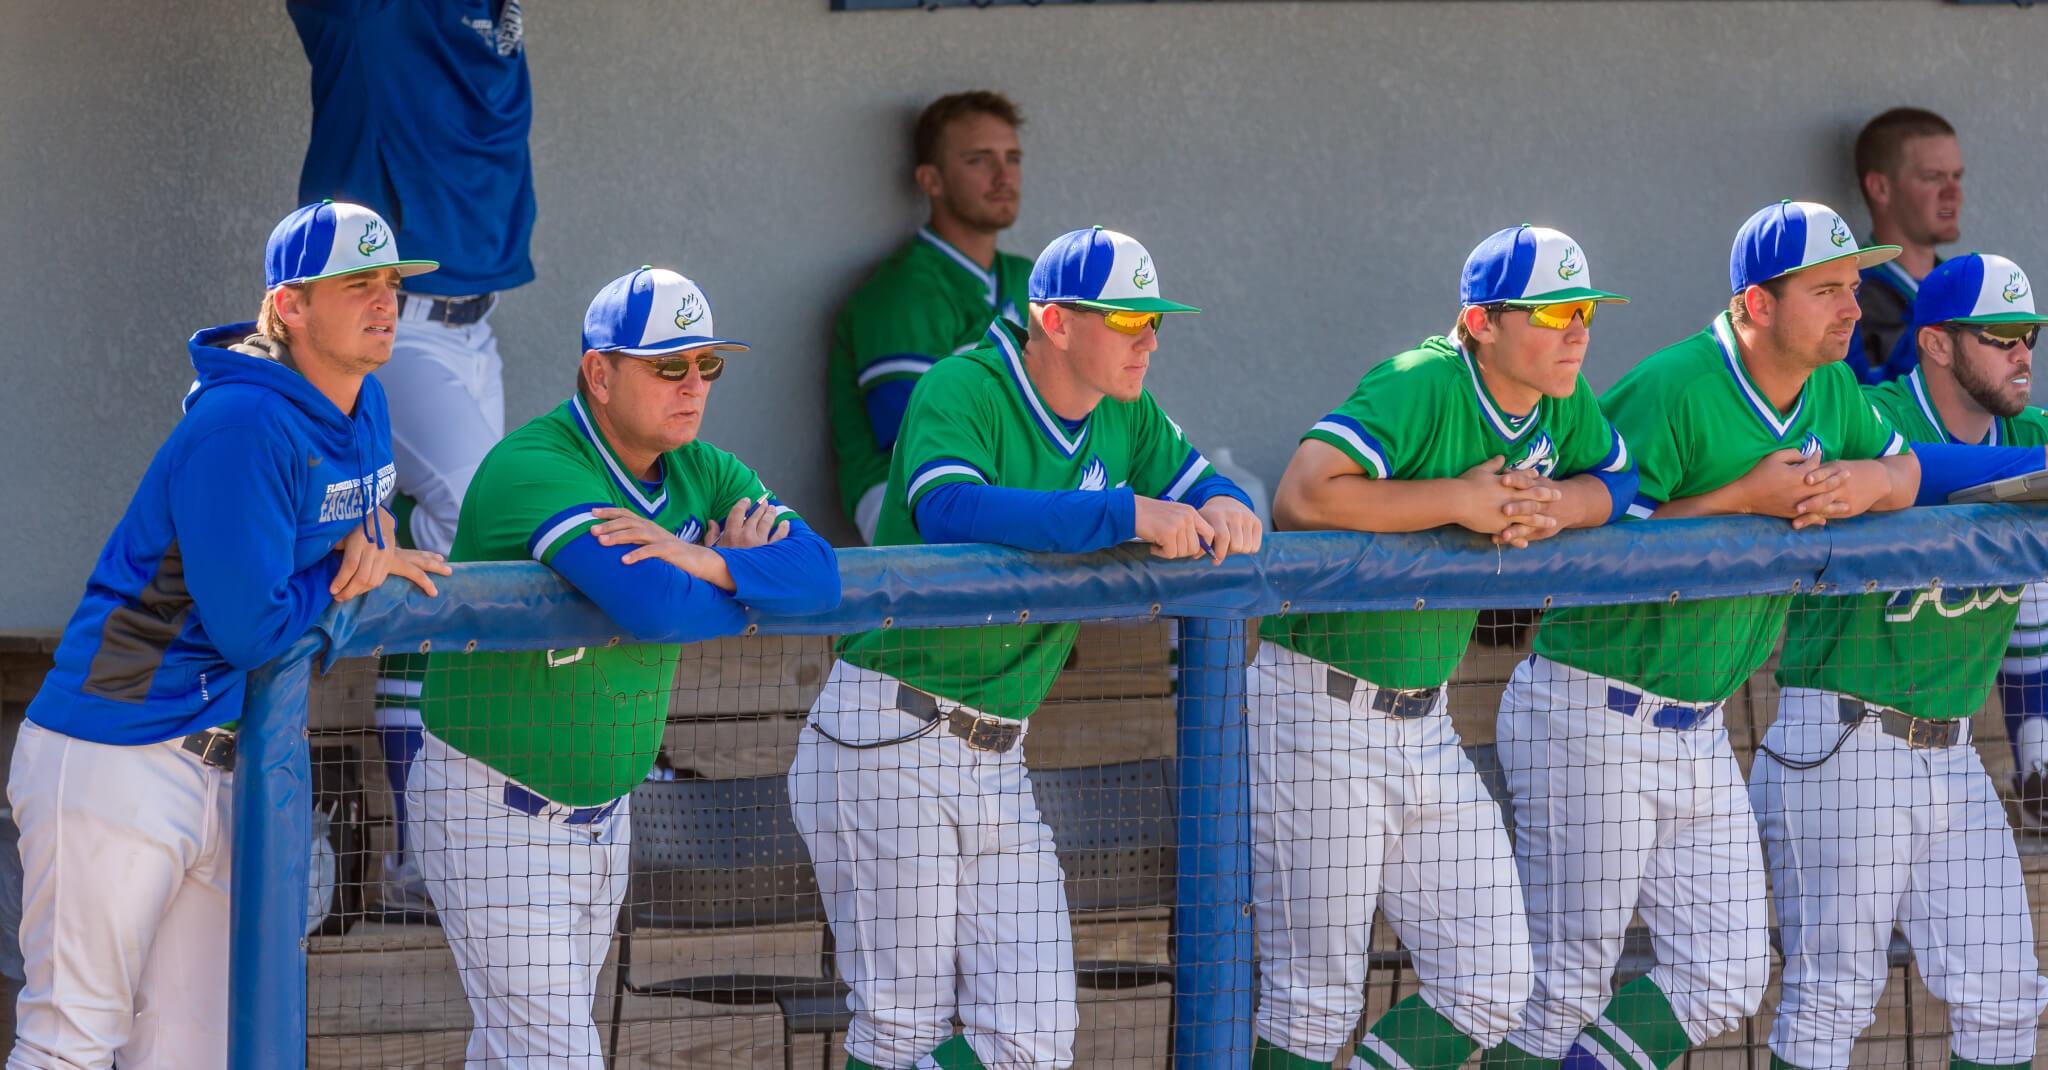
(1351,810)
(446,390)
(1614,815)
(940,882)
(1883,835)
(124,924)
(528,905)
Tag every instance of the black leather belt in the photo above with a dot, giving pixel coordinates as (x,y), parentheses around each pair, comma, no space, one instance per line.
(215,747)
(453,311)
(992,734)
(1403,705)
(1918,732)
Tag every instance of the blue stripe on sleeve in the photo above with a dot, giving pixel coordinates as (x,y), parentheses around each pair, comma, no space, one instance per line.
(1642,506)
(1621,491)
(1947,468)
(1062,521)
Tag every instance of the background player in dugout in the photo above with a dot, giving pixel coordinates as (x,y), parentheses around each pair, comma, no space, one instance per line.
(521,793)
(1363,797)
(122,774)
(1611,734)
(909,786)
(933,297)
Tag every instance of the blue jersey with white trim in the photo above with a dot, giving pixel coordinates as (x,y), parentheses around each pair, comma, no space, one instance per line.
(421,110)
(977,419)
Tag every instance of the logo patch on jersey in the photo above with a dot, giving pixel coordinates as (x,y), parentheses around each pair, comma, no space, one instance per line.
(350,499)
(1541,458)
(1950,603)
(1142,277)
(2015,288)
(1811,447)
(374,238)
(1572,264)
(1838,233)
(1095,476)
(691,531)
(691,312)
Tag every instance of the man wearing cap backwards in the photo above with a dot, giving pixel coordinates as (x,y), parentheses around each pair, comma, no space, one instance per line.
(1874,808)
(1627,795)
(935,296)
(520,790)
(261,510)
(1361,791)
(909,786)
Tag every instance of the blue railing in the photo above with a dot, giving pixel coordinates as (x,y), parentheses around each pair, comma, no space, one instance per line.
(524,606)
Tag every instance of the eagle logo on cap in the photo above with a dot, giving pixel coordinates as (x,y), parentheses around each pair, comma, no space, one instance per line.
(1142,277)
(2015,288)
(1541,458)
(1838,233)
(1571,264)
(691,312)
(373,239)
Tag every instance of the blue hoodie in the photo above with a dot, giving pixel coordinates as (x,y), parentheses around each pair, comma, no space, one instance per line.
(225,553)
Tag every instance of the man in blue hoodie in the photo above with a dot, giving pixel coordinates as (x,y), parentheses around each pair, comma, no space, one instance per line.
(261,509)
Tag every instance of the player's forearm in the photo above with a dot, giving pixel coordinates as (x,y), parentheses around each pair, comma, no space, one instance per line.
(793,576)
(1362,503)
(1586,501)
(1945,469)
(652,600)
(1903,472)
(1721,501)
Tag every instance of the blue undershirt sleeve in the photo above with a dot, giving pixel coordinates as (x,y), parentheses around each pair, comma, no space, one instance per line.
(653,601)
(1622,488)
(1062,521)
(1946,468)
(1217,486)
(886,402)
(794,576)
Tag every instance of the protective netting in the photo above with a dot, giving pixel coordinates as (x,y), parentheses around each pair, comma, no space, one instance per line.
(1464,829)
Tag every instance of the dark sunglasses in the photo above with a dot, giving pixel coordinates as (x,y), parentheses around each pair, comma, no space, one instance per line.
(675,369)
(2002,336)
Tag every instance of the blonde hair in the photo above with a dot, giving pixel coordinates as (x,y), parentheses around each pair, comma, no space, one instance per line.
(271,325)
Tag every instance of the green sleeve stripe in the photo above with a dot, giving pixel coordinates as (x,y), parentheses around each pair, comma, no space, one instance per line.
(1896,446)
(1353,444)
(934,473)
(1191,471)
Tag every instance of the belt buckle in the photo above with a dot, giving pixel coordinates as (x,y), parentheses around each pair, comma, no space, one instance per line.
(981,733)
(216,748)
(1921,734)
(1408,705)
(1680,718)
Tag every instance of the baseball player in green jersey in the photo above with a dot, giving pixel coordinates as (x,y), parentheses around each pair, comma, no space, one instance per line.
(934,297)
(1362,794)
(909,787)
(1875,810)
(1627,794)
(520,792)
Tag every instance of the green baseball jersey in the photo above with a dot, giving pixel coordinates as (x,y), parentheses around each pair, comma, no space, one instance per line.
(1696,422)
(978,419)
(1933,652)
(928,300)
(579,726)
(1427,414)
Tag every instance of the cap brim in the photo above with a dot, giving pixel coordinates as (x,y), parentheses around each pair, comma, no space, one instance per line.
(682,345)
(1996,317)
(1135,304)
(406,269)
(1559,297)
(1867,257)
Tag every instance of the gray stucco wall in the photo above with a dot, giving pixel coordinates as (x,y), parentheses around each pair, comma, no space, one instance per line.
(1311,173)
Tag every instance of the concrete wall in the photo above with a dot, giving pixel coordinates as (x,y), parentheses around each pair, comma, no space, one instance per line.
(1311,173)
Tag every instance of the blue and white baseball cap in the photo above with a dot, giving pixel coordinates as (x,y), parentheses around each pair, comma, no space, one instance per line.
(1979,288)
(649,313)
(1792,236)
(332,238)
(1526,266)
(1101,269)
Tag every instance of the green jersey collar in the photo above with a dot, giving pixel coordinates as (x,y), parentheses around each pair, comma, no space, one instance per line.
(1918,386)
(1508,425)
(1049,425)
(1766,413)
(966,263)
(635,493)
